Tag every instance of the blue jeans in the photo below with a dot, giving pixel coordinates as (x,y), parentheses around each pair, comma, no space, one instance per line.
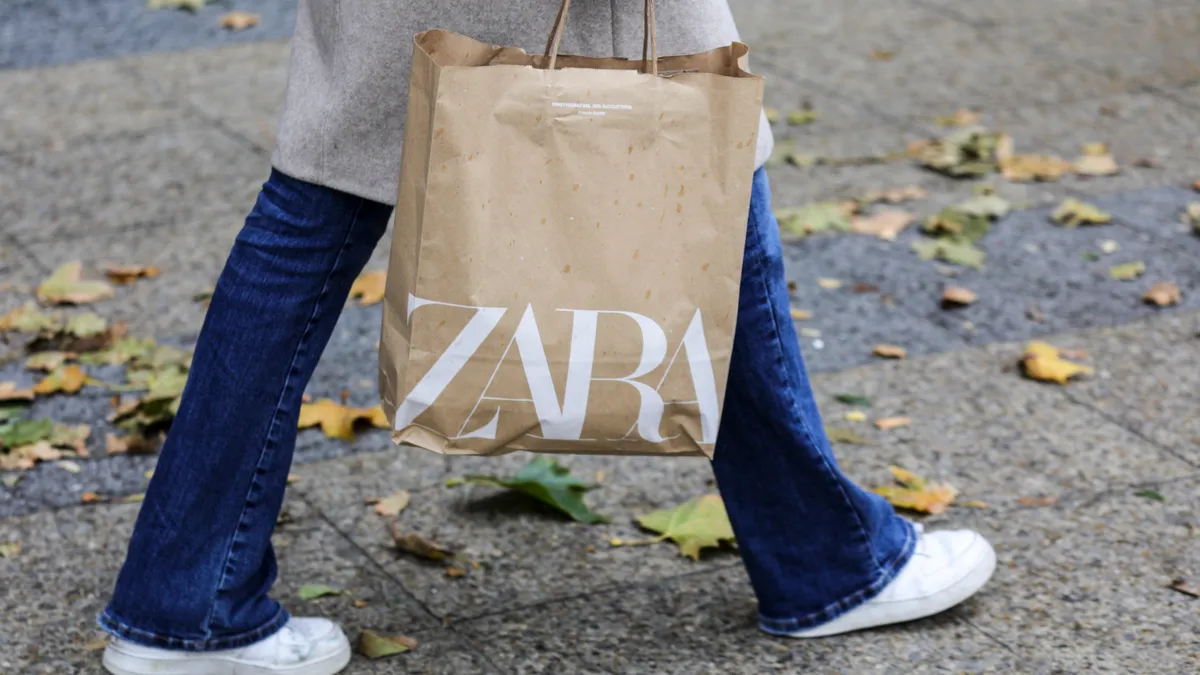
(200,562)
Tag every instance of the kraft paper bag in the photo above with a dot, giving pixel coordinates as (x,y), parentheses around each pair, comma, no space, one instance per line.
(567,248)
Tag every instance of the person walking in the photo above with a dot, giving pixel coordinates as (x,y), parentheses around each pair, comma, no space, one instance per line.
(823,555)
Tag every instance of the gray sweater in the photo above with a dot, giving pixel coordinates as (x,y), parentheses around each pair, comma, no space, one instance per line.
(347,89)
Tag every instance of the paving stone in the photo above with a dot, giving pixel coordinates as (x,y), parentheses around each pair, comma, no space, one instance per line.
(1147,380)
(978,425)
(241,86)
(49,108)
(703,623)
(1158,212)
(529,554)
(1083,587)
(139,179)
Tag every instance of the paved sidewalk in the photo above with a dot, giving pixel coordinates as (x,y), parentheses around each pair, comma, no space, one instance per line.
(117,147)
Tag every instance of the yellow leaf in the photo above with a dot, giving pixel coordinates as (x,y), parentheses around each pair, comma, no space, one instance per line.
(90,498)
(48,361)
(856,416)
(694,525)
(66,379)
(393,505)
(829,284)
(1128,271)
(882,55)
(1096,161)
(1026,168)
(1073,213)
(890,351)
(958,296)
(369,287)
(886,224)
(377,645)
(338,421)
(915,493)
(65,287)
(239,20)
(9,391)
(1042,361)
(889,423)
(800,314)
(1163,293)
(127,274)
(29,319)
(10,549)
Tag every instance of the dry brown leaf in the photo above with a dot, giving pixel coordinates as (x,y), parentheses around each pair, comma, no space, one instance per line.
(890,351)
(393,505)
(801,314)
(377,645)
(889,423)
(90,498)
(886,224)
(133,444)
(368,288)
(1163,294)
(1181,585)
(360,603)
(916,494)
(1042,361)
(127,274)
(96,645)
(338,421)
(417,545)
(67,379)
(1038,501)
(239,20)
(9,391)
(455,572)
(66,287)
(956,296)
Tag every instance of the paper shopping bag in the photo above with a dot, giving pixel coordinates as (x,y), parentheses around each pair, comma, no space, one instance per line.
(567,248)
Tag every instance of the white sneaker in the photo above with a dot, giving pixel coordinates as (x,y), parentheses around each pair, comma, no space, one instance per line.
(946,568)
(301,647)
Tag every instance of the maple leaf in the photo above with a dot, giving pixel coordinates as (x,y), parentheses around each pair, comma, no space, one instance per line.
(378,645)
(1043,361)
(238,20)
(1162,294)
(548,482)
(66,287)
(369,288)
(127,274)
(339,421)
(66,379)
(694,525)
(915,493)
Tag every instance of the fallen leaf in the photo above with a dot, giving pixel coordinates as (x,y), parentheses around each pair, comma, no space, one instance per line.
(961,118)
(800,314)
(21,433)
(966,153)
(189,5)
(360,603)
(853,399)
(393,505)
(455,572)
(1038,501)
(314,591)
(986,204)
(90,498)
(972,504)
(886,224)
(9,392)
(1153,495)
(10,549)
(10,481)
(882,55)
(69,466)
(86,325)
(134,498)
(1024,168)
(799,118)
(121,351)
(548,482)
(694,525)
(48,361)
(895,195)
(1096,161)
(1163,294)
(66,287)
(889,423)
(419,546)
(339,421)
(956,296)
(865,288)
(848,436)
(965,254)
(238,20)
(1073,213)
(127,274)
(66,379)
(29,319)
(1042,361)
(71,436)
(1127,271)
(368,287)
(890,351)
(855,416)
(916,494)
(377,645)
(132,444)
(96,645)
(829,284)
(1181,585)
(803,221)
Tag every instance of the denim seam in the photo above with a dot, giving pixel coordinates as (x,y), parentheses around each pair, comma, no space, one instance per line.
(273,429)
(110,623)
(836,609)
(862,532)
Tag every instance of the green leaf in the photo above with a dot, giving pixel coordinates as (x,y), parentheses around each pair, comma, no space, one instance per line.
(29,319)
(853,399)
(696,524)
(987,205)
(957,226)
(122,351)
(966,153)
(86,325)
(798,118)
(314,591)
(1073,213)
(849,436)
(964,254)
(1150,494)
(25,432)
(802,221)
(1128,271)
(376,645)
(548,482)
(66,287)
(1090,256)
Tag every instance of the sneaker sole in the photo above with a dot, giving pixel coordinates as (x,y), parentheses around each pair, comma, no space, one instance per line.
(117,662)
(936,603)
